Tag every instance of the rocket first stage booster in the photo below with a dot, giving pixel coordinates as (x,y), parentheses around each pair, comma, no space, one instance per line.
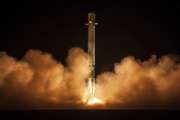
(91,52)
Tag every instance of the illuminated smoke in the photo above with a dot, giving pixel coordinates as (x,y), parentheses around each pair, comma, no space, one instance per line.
(154,83)
(38,81)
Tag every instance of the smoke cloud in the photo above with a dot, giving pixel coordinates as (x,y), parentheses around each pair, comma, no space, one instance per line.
(38,81)
(154,83)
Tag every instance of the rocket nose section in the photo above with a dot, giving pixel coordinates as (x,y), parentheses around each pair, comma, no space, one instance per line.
(91,16)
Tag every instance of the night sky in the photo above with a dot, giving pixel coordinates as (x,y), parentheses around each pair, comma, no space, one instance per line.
(138,28)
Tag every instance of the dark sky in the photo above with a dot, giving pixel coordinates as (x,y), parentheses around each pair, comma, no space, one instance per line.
(139,28)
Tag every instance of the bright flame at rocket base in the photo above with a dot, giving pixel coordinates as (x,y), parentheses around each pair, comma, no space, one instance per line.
(89,97)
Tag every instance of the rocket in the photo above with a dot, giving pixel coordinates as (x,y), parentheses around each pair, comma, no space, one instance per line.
(91,52)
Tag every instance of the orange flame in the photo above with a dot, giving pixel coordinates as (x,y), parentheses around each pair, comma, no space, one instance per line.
(89,97)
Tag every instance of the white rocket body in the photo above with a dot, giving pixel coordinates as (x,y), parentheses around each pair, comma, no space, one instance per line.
(91,52)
